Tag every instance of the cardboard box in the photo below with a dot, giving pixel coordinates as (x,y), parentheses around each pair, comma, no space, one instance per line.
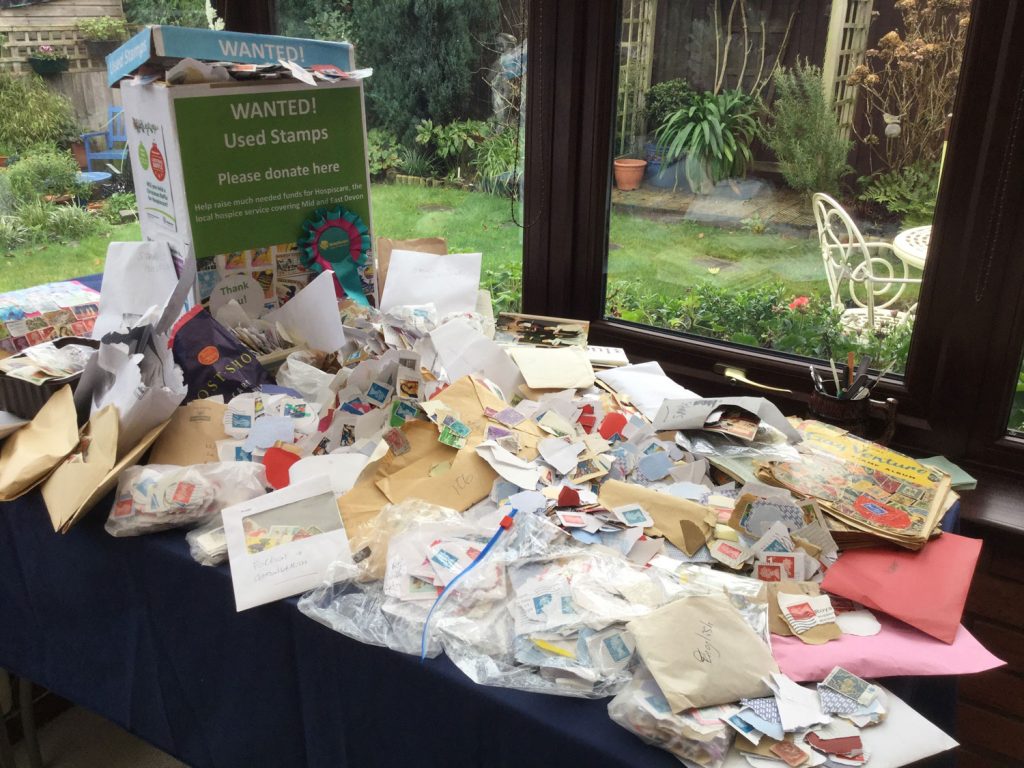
(162,47)
(234,172)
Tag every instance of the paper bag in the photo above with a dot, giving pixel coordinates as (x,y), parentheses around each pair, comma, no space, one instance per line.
(70,495)
(73,481)
(385,245)
(191,435)
(702,653)
(684,523)
(33,451)
(926,589)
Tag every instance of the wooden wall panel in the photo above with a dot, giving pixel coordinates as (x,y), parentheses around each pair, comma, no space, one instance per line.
(990,706)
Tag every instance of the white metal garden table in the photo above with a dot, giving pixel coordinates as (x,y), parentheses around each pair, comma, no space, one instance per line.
(911,245)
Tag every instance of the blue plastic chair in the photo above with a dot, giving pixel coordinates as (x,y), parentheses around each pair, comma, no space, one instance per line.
(115,140)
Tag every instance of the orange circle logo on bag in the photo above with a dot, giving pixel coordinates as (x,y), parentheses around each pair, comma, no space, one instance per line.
(208,355)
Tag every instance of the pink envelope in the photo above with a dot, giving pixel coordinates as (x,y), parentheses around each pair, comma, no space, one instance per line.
(896,650)
(925,589)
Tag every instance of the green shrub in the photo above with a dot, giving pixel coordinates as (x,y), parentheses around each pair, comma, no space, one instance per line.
(31,113)
(452,144)
(332,24)
(506,287)
(117,202)
(665,99)
(804,134)
(768,317)
(103,28)
(181,13)
(34,216)
(713,133)
(69,222)
(908,193)
(383,149)
(12,233)
(43,171)
(497,162)
(416,162)
(425,55)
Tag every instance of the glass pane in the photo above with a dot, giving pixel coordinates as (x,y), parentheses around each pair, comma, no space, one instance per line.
(731,117)
(446,132)
(1015,426)
(446,137)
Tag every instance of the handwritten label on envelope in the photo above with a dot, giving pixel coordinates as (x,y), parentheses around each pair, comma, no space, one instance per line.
(702,653)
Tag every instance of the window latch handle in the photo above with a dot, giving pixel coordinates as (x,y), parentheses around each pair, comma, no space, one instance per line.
(733,373)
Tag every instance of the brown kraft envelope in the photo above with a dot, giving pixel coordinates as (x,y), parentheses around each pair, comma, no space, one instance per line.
(32,452)
(191,435)
(703,653)
(776,624)
(685,523)
(60,491)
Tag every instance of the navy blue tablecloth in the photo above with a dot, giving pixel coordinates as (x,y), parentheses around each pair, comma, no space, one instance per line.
(134,629)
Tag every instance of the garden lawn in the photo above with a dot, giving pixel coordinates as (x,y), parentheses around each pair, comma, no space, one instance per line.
(666,255)
(670,255)
(35,264)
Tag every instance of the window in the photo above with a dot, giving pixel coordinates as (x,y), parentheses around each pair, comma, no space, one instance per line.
(729,117)
(444,122)
(962,370)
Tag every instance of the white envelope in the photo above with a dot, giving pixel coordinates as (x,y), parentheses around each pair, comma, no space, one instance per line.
(291,568)
(646,384)
(136,277)
(312,315)
(449,282)
(563,368)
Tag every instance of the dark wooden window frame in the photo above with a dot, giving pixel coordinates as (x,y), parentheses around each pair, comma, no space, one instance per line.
(969,335)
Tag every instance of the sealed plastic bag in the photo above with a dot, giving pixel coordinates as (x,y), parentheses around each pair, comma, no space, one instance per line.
(159,497)
(699,736)
(207,544)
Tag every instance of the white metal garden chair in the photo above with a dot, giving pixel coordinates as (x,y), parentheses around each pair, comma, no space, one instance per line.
(870,275)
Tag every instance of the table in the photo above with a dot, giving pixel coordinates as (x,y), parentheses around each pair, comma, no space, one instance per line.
(134,629)
(911,245)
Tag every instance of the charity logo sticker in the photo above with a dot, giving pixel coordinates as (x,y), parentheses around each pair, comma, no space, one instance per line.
(208,355)
(156,160)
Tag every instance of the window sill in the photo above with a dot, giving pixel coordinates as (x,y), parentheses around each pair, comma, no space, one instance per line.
(997,502)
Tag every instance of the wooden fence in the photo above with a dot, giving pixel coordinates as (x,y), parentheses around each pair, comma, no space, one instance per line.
(85,82)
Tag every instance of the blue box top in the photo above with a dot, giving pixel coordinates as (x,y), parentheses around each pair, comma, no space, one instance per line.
(160,42)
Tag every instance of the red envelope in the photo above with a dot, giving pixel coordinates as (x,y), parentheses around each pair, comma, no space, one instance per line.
(925,589)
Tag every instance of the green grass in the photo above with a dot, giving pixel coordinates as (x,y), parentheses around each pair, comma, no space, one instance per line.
(666,255)
(671,255)
(45,263)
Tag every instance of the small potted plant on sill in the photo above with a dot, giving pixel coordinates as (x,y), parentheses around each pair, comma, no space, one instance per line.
(47,60)
(103,34)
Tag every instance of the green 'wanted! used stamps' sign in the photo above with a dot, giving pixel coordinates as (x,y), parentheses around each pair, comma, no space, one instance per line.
(256,166)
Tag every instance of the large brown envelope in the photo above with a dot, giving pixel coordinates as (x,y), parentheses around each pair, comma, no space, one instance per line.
(108,482)
(469,398)
(32,452)
(685,523)
(703,653)
(72,483)
(191,435)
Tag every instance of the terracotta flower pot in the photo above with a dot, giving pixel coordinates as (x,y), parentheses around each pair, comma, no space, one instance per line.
(628,173)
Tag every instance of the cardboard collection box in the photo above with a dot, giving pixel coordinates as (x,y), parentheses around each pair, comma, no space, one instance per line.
(233,171)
